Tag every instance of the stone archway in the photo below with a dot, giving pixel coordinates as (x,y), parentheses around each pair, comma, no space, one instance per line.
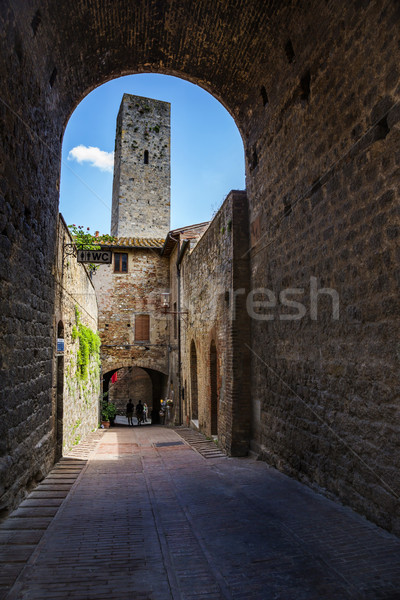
(323,193)
(131,383)
(138,383)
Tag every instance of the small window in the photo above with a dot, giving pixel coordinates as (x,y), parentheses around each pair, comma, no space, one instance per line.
(142,328)
(146,157)
(120,262)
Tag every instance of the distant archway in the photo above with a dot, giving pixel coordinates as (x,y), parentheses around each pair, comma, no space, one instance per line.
(133,383)
(193,382)
(137,383)
(213,388)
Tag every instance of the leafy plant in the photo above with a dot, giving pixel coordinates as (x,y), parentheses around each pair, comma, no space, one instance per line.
(84,240)
(108,412)
(89,346)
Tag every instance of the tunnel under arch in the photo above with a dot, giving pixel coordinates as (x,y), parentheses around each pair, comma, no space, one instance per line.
(135,383)
(322,188)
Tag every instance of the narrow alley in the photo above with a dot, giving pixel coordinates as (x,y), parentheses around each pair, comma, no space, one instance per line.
(138,513)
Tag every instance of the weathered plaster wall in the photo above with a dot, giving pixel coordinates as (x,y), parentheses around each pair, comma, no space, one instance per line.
(75,294)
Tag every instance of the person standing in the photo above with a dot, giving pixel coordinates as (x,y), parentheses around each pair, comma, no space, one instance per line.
(145,412)
(139,412)
(129,412)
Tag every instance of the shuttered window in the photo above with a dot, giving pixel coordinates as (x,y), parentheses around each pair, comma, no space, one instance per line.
(120,262)
(142,328)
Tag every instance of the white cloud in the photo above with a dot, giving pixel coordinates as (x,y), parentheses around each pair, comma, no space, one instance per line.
(97,158)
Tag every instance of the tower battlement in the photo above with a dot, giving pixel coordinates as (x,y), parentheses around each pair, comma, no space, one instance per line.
(142,169)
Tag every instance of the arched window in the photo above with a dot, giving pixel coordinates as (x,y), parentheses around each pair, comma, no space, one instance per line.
(146,157)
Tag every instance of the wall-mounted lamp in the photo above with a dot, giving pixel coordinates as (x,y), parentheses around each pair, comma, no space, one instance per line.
(165,300)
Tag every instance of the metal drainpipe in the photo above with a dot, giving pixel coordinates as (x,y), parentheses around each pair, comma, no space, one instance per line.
(181,253)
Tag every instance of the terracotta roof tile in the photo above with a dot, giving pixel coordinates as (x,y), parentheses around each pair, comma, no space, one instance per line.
(128,242)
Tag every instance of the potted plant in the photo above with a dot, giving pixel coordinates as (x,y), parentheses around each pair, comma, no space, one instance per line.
(108,414)
(112,412)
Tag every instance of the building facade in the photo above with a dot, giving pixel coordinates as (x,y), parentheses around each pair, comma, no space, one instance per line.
(133,327)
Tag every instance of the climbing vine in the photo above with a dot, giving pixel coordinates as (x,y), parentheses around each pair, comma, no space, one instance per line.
(89,347)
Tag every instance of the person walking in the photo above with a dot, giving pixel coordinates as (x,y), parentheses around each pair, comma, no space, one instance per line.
(139,412)
(129,412)
(145,412)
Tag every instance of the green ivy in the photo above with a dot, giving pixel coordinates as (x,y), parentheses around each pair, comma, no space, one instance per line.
(89,346)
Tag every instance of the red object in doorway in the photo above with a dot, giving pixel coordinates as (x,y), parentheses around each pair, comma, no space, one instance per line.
(114,377)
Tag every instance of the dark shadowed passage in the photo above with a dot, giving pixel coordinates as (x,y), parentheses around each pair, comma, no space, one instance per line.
(149,517)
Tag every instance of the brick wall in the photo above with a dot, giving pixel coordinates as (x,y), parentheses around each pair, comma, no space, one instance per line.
(123,296)
(210,274)
(324,204)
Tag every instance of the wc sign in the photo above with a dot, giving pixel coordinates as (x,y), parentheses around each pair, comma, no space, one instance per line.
(99,257)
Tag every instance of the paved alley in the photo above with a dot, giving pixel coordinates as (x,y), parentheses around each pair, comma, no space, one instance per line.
(140,514)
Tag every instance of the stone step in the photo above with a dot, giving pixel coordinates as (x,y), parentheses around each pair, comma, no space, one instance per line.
(195,439)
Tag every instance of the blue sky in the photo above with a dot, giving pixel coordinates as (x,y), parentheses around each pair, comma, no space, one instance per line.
(207,157)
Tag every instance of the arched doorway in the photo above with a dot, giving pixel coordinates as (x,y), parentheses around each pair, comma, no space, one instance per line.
(136,383)
(213,388)
(59,390)
(193,382)
(133,383)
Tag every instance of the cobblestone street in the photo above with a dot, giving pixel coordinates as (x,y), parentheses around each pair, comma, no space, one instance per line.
(139,514)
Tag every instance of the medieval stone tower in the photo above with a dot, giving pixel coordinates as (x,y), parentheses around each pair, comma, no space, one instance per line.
(141,187)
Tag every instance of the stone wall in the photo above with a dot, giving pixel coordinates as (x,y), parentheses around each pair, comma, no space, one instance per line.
(122,296)
(211,273)
(76,396)
(324,203)
(175,247)
(142,170)
(177,413)
(313,87)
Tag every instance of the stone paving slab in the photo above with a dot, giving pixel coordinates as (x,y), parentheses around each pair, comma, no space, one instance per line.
(23,530)
(156,521)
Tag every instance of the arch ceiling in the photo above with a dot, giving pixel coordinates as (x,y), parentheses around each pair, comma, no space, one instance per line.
(74,47)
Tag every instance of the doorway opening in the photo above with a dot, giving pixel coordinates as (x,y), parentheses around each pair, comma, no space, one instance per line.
(59,394)
(193,383)
(135,383)
(214,388)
